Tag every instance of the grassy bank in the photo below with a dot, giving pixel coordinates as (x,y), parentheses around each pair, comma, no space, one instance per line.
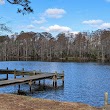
(17,102)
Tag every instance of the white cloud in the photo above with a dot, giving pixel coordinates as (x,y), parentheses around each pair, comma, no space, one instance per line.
(41,21)
(30,26)
(92,22)
(56,28)
(43,28)
(26,26)
(54,13)
(104,26)
(2,2)
(99,24)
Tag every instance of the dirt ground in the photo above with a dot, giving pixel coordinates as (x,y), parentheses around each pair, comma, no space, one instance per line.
(17,102)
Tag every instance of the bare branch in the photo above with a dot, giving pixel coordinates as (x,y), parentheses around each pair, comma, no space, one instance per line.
(3,27)
(24,4)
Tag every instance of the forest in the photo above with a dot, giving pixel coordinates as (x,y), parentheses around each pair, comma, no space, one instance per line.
(81,47)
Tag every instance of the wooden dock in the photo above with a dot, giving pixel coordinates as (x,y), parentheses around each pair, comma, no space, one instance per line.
(29,77)
(25,79)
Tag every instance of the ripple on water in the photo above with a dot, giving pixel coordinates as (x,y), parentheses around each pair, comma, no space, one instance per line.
(84,82)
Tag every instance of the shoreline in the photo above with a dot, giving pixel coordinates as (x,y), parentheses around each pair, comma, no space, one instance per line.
(19,102)
(67,61)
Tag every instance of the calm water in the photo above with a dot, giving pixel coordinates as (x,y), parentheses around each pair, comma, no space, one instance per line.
(84,82)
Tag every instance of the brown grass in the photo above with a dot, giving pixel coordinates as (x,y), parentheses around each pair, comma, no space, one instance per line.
(17,102)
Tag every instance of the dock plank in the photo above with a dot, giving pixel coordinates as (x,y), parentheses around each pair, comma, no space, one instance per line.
(25,79)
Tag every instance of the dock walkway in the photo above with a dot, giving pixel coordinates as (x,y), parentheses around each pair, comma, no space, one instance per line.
(25,79)
(29,77)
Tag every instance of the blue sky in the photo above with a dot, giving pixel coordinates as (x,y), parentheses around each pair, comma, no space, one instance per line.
(57,16)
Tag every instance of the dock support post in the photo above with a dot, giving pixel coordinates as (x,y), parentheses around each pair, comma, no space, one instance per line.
(23,72)
(55,80)
(34,74)
(63,78)
(39,73)
(39,82)
(106,99)
(30,89)
(15,74)
(18,88)
(30,84)
(7,74)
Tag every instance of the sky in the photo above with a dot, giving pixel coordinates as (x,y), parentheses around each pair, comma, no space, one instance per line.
(57,16)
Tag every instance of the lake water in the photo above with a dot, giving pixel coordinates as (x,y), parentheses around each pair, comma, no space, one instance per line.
(84,82)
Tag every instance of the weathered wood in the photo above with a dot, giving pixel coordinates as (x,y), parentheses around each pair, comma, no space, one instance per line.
(34,72)
(55,76)
(39,82)
(53,80)
(53,83)
(18,88)
(7,74)
(30,84)
(106,99)
(39,73)
(23,72)
(33,76)
(25,79)
(63,78)
(106,105)
(30,89)
(19,72)
(15,74)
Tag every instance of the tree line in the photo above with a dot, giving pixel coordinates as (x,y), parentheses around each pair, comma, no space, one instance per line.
(80,47)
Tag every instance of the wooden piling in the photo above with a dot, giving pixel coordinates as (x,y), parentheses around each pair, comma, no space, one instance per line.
(63,78)
(22,72)
(15,74)
(30,89)
(37,76)
(106,99)
(39,73)
(39,82)
(55,79)
(34,74)
(18,88)
(7,74)
(30,84)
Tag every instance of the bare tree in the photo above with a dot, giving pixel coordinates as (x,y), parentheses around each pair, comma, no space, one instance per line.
(24,4)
